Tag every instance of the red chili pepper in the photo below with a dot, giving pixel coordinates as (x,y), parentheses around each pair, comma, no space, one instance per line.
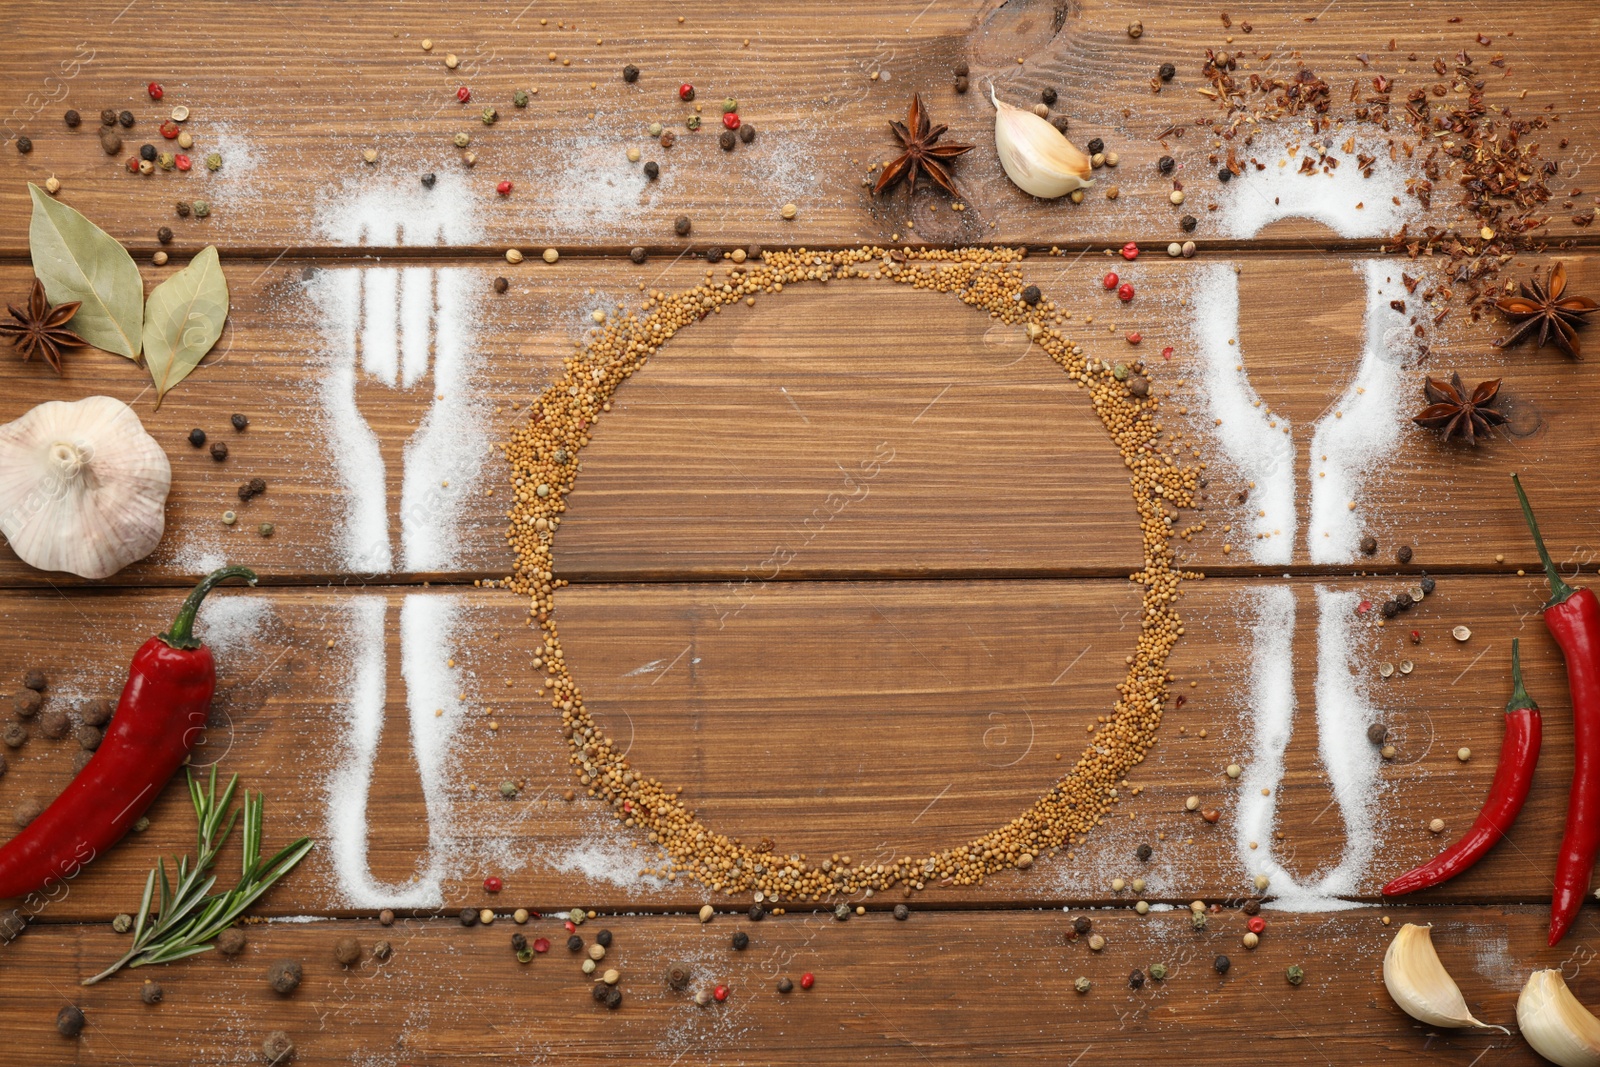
(159,719)
(1513,776)
(1573,618)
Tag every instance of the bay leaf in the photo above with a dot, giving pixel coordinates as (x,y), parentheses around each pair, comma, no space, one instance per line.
(182,320)
(77,260)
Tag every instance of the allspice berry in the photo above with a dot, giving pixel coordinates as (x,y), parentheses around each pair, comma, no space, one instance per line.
(277,1049)
(1369,544)
(95,712)
(284,976)
(36,681)
(55,724)
(151,992)
(231,941)
(347,950)
(70,1021)
(637,254)
(27,703)
(678,975)
(681,225)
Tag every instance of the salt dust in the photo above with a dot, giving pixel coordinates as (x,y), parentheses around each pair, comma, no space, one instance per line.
(231,624)
(401,211)
(605,854)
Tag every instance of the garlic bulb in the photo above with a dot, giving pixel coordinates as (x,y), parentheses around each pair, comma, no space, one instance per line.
(82,487)
(1558,1027)
(1036,155)
(1419,983)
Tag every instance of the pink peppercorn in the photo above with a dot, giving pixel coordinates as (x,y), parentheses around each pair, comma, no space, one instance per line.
(1166,353)
(1130,251)
(721,992)
(493,884)
(1135,337)
(685,91)
(169,130)
(504,188)
(571,926)
(1257,924)
(1110,280)
(541,944)
(463,94)
(182,162)
(155,90)
(731,120)
(807,980)
(1363,607)
(1125,292)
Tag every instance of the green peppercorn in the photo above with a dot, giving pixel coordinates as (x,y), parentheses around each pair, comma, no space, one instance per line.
(524,955)
(693,122)
(508,789)
(489,116)
(1295,974)
(200,208)
(122,923)
(166,161)
(1198,920)
(463,139)
(1158,971)
(1082,985)
(729,106)
(519,98)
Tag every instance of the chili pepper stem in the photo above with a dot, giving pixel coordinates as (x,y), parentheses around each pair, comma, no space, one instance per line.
(1520,699)
(1559,589)
(181,634)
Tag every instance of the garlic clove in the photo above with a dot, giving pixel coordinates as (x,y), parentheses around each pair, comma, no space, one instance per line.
(1420,985)
(1558,1027)
(83,488)
(1036,156)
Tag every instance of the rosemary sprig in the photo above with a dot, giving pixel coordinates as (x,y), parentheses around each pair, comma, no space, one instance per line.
(187,919)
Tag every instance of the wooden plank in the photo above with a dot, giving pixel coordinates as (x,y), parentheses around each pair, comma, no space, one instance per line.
(749,436)
(943,987)
(293,171)
(867,719)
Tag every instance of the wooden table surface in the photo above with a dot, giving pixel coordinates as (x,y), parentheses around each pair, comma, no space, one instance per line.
(838,667)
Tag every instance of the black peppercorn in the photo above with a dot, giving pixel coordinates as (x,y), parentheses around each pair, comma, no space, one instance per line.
(1143,852)
(1081,925)
(599,992)
(962,85)
(901,913)
(727,140)
(72,119)
(630,73)
(756,913)
(197,437)
(785,986)
(613,997)
(1166,72)
(1136,980)
(244,491)
(1222,963)
(1369,544)
(501,285)
(637,254)
(1048,96)
(1389,609)
(962,70)
(1095,146)
(1224,174)
(1165,164)
(603,939)
(652,169)
(24,145)
(1188,223)
(258,486)
(182,208)
(741,940)
(70,1021)
(219,451)
(747,132)
(1377,732)
(1403,554)
(147,151)
(239,422)
(428,179)
(713,255)
(1030,295)
(518,942)
(164,235)
(469,917)
(125,119)
(1251,907)
(1403,601)
(574,943)
(1427,583)
(680,225)
(108,117)
(1060,122)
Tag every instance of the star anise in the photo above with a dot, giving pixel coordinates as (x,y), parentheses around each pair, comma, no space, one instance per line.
(922,150)
(1543,308)
(1452,410)
(41,329)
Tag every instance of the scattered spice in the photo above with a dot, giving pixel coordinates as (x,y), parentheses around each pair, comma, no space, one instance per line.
(347,950)
(278,1048)
(922,152)
(151,992)
(1543,310)
(37,329)
(70,1021)
(1457,413)
(284,976)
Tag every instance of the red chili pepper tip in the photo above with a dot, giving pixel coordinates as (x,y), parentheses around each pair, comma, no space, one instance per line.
(1110,280)
(1257,924)
(731,120)
(1130,251)
(504,188)
(685,91)
(463,94)
(807,980)
(1135,337)
(493,884)
(1166,353)
(721,992)
(541,944)
(1125,292)
(183,162)
(155,90)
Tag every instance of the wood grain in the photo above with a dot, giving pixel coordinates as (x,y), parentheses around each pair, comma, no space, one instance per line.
(938,988)
(747,439)
(859,718)
(293,119)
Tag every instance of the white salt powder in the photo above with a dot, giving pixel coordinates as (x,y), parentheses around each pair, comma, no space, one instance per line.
(1255,440)
(1272,708)
(380,318)
(231,623)
(604,854)
(1343,200)
(389,212)
(1363,426)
